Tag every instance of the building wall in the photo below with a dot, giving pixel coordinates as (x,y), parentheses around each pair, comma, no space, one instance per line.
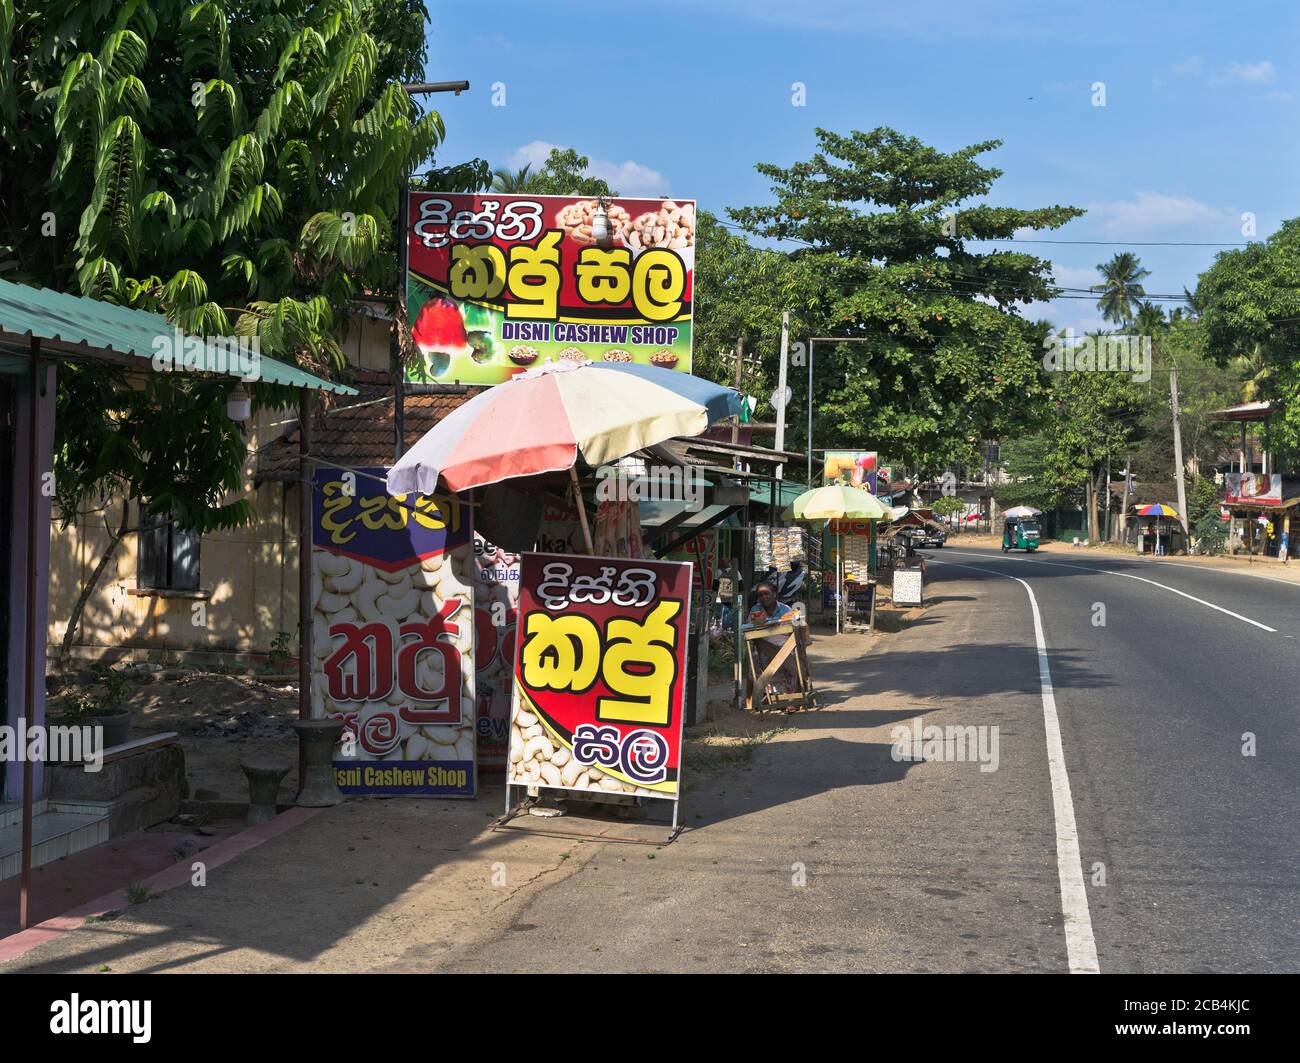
(24,497)
(248,577)
(244,595)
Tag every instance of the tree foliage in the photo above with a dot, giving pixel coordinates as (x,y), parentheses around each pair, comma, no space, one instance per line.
(233,166)
(564,173)
(887,228)
(1249,302)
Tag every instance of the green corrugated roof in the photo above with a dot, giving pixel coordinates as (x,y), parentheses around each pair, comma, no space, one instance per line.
(787,492)
(74,319)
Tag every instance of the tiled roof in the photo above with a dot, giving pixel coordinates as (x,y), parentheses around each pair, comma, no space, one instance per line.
(360,433)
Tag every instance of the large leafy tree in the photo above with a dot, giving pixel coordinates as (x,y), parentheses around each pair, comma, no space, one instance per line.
(564,173)
(888,229)
(234,166)
(1088,418)
(1249,303)
(1121,287)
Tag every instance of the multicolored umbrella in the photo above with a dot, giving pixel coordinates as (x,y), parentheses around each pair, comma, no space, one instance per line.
(545,419)
(836,501)
(1158,509)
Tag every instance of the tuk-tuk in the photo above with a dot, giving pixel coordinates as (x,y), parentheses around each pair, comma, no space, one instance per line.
(1020,533)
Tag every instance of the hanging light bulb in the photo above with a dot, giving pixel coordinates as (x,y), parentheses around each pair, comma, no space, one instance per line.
(239,404)
(601,232)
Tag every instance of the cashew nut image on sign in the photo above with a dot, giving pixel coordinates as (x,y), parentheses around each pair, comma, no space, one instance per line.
(537,760)
(345,590)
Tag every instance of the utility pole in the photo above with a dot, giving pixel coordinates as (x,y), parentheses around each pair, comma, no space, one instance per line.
(1123,513)
(780,390)
(740,357)
(812,346)
(1178,454)
(1106,533)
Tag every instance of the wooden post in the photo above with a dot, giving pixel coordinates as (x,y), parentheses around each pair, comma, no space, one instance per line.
(582,510)
(29,640)
(306,654)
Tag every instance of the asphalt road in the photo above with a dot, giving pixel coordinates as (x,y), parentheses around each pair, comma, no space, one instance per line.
(1158,697)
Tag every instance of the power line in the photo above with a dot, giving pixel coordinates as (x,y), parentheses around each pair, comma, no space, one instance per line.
(1107,243)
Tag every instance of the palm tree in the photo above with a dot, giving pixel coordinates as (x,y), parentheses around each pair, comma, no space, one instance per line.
(1257,374)
(513,181)
(1150,319)
(1121,287)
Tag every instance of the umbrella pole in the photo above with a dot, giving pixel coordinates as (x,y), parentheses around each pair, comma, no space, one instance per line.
(582,510)
(839,590)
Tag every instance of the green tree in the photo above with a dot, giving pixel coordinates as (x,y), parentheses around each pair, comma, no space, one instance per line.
(233,166)
(1208,531)
(512,182)
(740,293)
(887,228)
(564,173)
(1249,303)
(1121,287)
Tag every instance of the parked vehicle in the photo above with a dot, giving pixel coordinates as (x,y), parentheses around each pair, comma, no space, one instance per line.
(929,537)
(1020,533)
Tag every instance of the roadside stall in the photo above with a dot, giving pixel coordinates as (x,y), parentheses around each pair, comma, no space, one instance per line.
(1259,509)
(599,660)
(1157,538)
(837,503)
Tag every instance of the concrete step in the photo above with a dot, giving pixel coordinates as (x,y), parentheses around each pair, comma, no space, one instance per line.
(11,812)
(55,834)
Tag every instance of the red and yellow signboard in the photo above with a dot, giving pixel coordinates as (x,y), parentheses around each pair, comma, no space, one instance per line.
(498,283)
(600,674)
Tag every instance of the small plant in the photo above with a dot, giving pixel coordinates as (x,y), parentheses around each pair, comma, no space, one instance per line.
(279,655)
(138,892)
(78,704)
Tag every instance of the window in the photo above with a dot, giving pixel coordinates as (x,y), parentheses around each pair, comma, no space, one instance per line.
(169,557)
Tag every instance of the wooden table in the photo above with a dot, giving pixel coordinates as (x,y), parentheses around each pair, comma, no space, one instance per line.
(796,640)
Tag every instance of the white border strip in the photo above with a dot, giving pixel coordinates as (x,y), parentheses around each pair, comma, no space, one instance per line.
(1080,945)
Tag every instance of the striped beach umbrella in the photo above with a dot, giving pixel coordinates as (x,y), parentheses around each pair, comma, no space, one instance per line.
(545,419)
(1158,509)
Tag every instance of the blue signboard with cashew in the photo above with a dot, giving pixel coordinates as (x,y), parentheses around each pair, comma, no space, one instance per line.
(393,635)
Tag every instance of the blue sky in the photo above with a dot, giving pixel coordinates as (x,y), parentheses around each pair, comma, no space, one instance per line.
(1202,104)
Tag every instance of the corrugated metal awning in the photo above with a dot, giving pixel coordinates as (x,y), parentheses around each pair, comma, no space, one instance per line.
(76,321)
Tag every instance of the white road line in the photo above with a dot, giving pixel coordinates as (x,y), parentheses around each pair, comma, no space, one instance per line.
(1226,571)
(1126,575)
(1080,945)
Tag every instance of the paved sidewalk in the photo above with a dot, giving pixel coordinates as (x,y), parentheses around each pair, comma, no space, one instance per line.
(822,853)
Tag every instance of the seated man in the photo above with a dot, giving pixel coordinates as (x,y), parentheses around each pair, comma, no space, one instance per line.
(768,610)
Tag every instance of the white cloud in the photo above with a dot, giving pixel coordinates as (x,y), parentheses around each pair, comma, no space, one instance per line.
(630,178)
(1074,276)
(1193,64)
(1153,213)
(1257,73)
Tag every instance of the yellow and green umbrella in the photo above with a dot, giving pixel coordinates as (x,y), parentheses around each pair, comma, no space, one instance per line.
(836,502)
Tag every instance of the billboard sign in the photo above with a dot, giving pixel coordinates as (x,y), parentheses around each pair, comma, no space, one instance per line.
(857,468)
(1252,489)
(600,675)
(393,635)
(498,283)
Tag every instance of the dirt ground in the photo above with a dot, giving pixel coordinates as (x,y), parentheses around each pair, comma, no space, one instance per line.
(221,719)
